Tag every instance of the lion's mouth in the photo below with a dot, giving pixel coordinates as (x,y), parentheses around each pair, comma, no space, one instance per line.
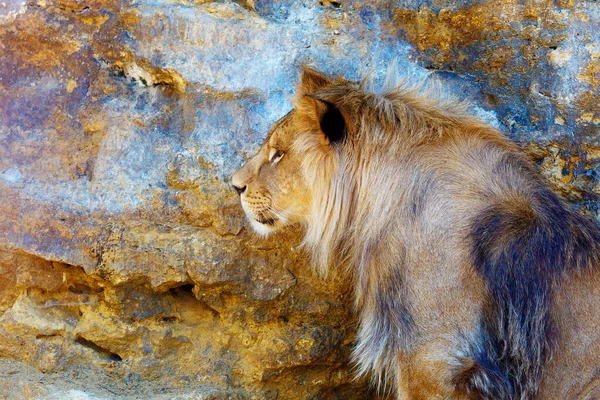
(267,221)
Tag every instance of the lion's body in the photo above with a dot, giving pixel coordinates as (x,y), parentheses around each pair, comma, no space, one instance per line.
(469,273)
(574,370)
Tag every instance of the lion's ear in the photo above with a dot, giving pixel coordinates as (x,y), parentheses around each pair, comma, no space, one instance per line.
(315,103)
(311,80)
(331,120)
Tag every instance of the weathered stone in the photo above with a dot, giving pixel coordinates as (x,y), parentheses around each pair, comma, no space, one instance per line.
(126,267)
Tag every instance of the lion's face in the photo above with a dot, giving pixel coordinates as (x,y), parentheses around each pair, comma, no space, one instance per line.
(273,190)
(279,184)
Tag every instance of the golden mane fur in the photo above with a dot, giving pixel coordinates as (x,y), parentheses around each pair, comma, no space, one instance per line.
(462,259)
(427,113)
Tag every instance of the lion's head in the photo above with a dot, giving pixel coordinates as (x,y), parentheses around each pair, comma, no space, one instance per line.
(279,185)
(331,164)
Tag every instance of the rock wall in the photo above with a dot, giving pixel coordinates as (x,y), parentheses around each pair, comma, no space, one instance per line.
(126,267)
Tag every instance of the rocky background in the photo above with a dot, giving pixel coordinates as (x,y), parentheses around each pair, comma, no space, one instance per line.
(126,267)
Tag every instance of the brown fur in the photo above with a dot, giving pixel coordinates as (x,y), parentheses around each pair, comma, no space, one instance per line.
(459,254)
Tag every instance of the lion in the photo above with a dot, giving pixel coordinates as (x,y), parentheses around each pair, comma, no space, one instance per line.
(471,278)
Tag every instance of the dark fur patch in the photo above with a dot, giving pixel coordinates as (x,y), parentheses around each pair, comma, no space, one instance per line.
(422,184)
(522,248)
(390,328)
(481,379)
(395,320)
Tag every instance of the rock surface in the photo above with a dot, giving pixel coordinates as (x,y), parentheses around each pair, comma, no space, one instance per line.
(126,267)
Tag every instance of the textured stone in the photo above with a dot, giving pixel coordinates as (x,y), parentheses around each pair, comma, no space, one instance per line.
(126,267)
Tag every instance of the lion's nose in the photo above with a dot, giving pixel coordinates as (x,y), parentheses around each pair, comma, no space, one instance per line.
(239,189)
(238,180)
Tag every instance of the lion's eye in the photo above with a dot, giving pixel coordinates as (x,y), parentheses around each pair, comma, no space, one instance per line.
(276,156)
